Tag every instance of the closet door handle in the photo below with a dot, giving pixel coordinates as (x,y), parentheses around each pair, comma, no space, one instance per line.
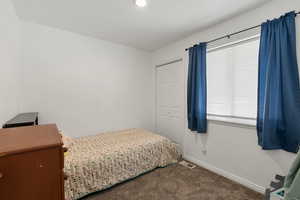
(1,175)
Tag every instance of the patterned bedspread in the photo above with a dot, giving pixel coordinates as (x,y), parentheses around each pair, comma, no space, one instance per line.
(94,163)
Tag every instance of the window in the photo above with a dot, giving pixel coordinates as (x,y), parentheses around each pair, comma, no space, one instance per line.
(232,75)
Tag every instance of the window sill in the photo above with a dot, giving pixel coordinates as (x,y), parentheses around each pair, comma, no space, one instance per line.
(233,121)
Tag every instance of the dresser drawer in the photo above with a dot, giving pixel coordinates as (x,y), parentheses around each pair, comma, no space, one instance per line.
(34,174)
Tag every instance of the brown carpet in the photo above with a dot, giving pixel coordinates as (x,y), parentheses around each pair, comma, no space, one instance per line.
(178,183)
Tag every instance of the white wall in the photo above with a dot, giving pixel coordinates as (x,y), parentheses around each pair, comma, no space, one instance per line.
(85,85)
(227,149)
(9,66)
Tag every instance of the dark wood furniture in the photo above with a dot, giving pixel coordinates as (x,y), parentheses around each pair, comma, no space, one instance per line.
(31,163)
(23,119)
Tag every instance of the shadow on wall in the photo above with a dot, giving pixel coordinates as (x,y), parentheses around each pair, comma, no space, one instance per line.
(283,159)
(202,139)
(232,150)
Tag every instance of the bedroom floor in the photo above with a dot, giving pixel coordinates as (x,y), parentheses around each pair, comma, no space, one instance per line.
(178,183)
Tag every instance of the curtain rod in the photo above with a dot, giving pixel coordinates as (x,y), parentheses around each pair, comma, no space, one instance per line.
(170,62)
(238,32)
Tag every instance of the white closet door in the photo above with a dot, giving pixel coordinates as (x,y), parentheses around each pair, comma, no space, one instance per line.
(170,101)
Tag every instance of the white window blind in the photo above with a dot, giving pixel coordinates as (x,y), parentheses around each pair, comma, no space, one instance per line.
(232,75)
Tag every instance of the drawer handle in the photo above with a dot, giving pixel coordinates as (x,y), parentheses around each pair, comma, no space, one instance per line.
(1,175)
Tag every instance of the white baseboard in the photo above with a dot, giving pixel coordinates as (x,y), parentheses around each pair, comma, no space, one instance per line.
(226,174)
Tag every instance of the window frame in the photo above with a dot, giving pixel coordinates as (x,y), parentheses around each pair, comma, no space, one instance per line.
(231,119)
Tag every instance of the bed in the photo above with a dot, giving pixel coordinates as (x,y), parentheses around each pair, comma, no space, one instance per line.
(95,163)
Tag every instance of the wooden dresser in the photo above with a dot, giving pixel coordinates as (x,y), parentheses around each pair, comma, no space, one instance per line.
(31,163)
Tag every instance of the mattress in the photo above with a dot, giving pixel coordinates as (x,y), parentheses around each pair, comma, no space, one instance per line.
(95,163)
